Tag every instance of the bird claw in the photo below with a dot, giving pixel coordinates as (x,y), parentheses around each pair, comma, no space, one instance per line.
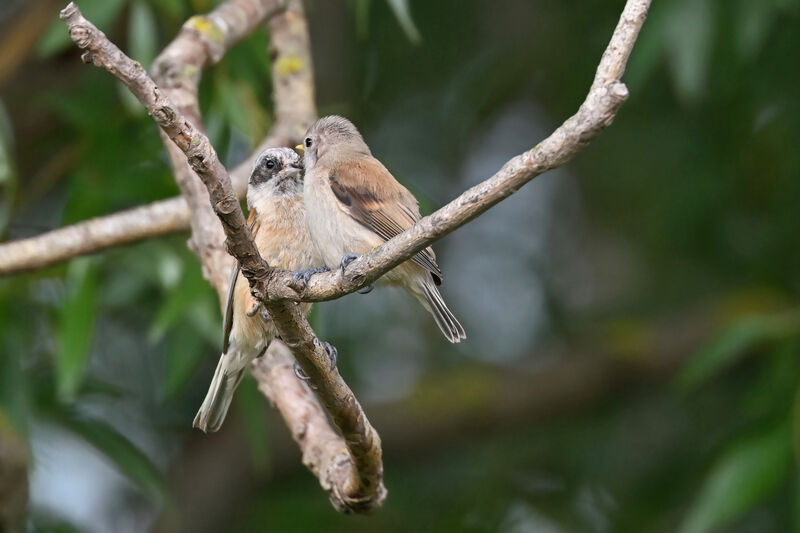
(346,260)
(331,352)
(305,275)
(367,289)
(265,315)
(299,373)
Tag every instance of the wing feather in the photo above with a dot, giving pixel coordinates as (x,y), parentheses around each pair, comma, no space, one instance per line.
(228,322)
(372,197)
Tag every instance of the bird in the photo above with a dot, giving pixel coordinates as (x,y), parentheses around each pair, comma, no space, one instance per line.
(353,204)
(277,220)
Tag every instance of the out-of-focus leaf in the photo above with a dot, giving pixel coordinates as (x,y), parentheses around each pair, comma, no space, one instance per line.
(252,405)
(185,348)
(241,107)
(174,9)
(131,461)
(743,476)
(796,428)
(204,316)
(76,326)
(689,34)
(361,10)
(102,13)
(13,401)
(142,33)
(190,288)
(773,384)
(754,21)
(403,14)
(649,48)
(733,343)
(8,176)
(142,47)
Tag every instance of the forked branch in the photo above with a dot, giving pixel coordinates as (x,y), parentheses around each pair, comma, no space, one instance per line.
(355,482)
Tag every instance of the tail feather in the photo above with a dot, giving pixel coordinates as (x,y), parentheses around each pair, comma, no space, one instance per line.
(447,322)
(220,394)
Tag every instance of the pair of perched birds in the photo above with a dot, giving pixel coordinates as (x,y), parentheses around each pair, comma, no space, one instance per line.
(345,203)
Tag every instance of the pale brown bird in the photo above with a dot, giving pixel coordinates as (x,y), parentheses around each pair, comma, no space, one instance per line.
(278,222)
(353,204)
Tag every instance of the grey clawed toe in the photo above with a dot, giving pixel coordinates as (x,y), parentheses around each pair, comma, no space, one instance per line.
(346,260)
(367,289)
(299,373)
(305,275)
(333,353)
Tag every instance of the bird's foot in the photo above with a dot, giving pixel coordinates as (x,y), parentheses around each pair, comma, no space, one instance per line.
(331,352)
(346,260)
(367,289)
(265,315)
(305,275)
(299,373)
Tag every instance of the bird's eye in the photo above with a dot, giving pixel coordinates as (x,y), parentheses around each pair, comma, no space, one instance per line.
(270,164)
(308,142)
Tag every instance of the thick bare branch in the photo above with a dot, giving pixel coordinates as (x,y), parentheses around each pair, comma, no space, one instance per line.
(361,488)
(94,235)
(324,452)
(596,113)
(202,41)
(135,224)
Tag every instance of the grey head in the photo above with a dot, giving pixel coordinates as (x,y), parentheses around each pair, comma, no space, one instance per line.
(278,170)
(332,135)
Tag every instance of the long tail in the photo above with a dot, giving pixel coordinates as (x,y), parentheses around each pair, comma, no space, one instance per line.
(227,376)
(430,298)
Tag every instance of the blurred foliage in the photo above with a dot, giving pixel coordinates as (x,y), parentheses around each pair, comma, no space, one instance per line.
(697,181)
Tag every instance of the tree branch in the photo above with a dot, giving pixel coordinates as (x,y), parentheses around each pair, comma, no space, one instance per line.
(203,40)
(93,235)
(606,95)
(179,67)
(359,491)
(360,487)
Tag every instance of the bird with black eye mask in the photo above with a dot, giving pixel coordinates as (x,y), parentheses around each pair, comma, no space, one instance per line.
(277,221)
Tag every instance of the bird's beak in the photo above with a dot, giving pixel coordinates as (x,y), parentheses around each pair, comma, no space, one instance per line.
(300,148)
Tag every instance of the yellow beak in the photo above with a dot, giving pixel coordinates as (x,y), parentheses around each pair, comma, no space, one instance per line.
(300,148)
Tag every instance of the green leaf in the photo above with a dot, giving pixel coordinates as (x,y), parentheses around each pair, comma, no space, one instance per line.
(361,10)
(733,343)
(76,326)
(649,50)
(142,47)
(131,461)
(403,14)
(743,476)
(185,349)
(689,34)
(252,405)
(241,108)
(173,9)
(754,20)
(175,307)
(142,33)
(102,13)
(8,175)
